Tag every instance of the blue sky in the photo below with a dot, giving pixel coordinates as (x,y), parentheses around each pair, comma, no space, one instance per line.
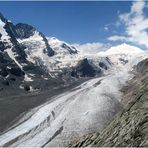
(79,22)
(99,23)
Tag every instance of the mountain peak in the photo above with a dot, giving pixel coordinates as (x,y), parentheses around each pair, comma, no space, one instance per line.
(24,30)
(124,49)
(61,46)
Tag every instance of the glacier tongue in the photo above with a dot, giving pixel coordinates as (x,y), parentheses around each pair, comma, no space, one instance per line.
(80,111)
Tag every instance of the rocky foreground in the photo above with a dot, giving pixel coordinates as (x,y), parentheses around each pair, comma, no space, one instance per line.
(130,126)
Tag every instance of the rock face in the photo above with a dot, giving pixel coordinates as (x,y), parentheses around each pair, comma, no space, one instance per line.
(24,31)
(8,41)
(72,50)
(85,69)
(16,71)
(130,126)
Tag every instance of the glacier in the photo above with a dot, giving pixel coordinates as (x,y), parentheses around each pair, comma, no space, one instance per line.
(72,114)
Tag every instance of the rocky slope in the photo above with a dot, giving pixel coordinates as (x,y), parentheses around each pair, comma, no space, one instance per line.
(17,73)
(130,126)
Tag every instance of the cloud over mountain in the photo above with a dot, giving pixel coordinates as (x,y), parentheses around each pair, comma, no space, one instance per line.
(91,48)
(135,24)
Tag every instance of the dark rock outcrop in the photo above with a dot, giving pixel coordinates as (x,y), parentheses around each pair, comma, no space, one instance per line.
(15,71)
(8,66)
(102,65)
(71,49)
(85,69)
(24,31)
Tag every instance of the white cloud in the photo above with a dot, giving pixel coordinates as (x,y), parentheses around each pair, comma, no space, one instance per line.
(116,38)
(106,28)
(138,7)
(91,48)
(135,23)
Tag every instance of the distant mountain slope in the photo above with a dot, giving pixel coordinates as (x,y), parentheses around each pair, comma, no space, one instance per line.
(28,55)
(65,56)
(53,57)
(17,73)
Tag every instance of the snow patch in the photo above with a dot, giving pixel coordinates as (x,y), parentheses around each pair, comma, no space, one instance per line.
(5,36)
(12,56)
(27,78)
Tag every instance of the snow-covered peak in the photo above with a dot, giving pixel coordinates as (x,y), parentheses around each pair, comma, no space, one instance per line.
(122,54)
(54,42)
(34,40)
(61,46)
(27,32)
(124,49)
